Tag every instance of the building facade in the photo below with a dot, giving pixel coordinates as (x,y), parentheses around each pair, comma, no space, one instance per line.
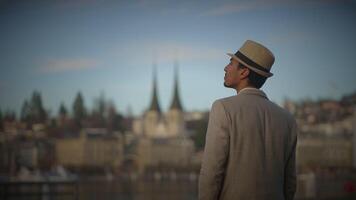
(91,149)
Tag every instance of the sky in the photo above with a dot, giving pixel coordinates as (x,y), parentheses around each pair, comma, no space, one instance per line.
(109,48)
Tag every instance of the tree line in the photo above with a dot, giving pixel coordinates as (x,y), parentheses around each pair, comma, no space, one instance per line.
(103,115)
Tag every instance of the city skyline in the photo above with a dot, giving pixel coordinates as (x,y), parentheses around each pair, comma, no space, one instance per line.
(62,47)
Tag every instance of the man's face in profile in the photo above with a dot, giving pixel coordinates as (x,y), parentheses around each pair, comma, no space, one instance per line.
(231,78)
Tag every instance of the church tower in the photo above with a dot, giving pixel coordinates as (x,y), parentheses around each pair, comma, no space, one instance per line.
(175,115)
(153,115)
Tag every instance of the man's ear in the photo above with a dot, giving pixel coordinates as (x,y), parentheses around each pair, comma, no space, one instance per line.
(245,72)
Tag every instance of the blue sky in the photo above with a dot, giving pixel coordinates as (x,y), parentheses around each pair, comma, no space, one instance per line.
(61,47)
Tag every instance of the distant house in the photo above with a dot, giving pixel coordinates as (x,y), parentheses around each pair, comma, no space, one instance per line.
(94,148)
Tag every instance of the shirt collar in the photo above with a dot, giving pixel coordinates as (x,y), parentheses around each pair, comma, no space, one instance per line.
(252,91)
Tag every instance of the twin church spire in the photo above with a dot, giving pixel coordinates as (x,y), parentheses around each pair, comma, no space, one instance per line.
(154,102)
(176,103)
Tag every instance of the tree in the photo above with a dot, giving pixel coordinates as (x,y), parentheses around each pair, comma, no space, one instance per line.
(37,112)
(101,106)
(62,110)
(200,127)
(25,112)
(1,121)
(79,111)
(114,119)
(111,118)
(99,113)
(9,116)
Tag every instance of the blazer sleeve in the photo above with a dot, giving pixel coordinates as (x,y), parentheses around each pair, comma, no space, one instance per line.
(215,154)
(290,180)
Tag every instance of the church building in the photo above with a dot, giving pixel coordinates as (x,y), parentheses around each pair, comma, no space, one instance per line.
(162,137)
(155,123)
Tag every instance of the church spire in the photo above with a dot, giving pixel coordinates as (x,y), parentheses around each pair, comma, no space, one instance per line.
(154,102)
(176,103)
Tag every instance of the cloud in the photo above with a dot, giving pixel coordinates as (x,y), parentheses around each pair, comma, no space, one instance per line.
(165,52)
(242,6)
(75,3)
(64,65)
(229,8)
(293,35)
(168,51)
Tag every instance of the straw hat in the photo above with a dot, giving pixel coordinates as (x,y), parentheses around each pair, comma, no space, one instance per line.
(256,57)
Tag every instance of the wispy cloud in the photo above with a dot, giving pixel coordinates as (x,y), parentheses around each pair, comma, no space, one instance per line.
(54,3)
(291,36)
(75,3)
(64,65)
(165,52)
(228,8)
(168,51)
(242,6)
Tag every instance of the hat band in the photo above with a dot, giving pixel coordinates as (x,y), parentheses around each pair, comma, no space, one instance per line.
(250,62)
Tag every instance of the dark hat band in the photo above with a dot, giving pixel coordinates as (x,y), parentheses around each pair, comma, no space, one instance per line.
(250,62)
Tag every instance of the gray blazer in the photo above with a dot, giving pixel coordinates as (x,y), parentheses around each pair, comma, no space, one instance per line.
(249,150)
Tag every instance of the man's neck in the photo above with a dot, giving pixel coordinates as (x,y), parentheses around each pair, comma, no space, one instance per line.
(241,87)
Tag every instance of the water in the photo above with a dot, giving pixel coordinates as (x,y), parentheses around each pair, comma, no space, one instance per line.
(107,190)
(138,190)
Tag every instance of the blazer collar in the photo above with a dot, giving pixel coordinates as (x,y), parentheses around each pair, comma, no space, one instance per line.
(252,91)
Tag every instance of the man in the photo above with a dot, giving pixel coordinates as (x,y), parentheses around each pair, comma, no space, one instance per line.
(250,143)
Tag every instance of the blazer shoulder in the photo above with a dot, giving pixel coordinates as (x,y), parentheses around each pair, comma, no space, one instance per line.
(227,100)
(224,103)
(218,104)
(285,113)
(229,103)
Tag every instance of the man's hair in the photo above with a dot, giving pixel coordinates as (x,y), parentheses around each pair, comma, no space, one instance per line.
(254,79)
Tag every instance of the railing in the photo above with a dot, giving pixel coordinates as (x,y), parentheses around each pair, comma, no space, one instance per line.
(42,190)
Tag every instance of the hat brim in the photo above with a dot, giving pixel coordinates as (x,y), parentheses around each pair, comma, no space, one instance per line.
(260,72)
